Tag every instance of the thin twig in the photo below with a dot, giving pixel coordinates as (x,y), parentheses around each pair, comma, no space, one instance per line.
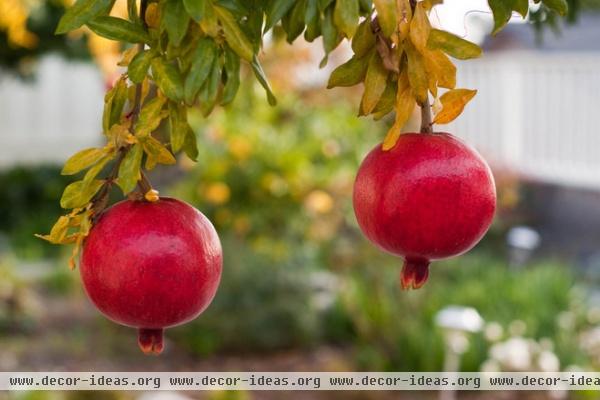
(384,48)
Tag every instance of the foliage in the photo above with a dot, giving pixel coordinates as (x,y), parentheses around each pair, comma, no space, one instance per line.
(274,312)
(280,200)
(391,325)
(189,54)
(28,204)
(276,183)
(27,33)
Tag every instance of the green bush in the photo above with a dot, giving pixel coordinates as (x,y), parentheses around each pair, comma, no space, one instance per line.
(396,330)
(28,205)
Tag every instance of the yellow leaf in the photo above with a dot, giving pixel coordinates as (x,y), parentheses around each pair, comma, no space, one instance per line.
(58,231)
(420,28)
(119,134)
(153,16)
(95,170)
(439,66)
(128,56)
(375,82)
(386,14)
(150,116)
(79,193)
(405,104)
(156,153)
(453,104)
(428,4)
(404,12)
(436,107)
(82,160)
(453,45)
(129,171)
(417,75)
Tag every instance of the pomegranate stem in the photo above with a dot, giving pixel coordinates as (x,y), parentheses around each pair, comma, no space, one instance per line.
(150,340)
(426,124)
(415,272)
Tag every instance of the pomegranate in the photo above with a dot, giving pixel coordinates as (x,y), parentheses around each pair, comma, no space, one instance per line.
(429,197)
(151,266)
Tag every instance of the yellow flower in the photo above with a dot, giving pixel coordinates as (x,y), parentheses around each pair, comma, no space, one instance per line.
(217,193)
(13,21)
(240,148)
(318,202)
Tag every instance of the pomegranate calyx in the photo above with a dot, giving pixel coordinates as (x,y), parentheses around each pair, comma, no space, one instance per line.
(151,340)
(414,273)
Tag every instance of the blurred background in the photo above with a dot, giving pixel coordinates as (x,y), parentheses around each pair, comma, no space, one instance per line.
(302,289)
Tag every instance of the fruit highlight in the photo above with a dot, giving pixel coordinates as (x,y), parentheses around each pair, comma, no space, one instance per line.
(151,266)
(429,197)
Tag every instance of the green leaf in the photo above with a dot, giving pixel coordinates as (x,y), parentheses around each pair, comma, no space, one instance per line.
(417,74)
(502,11)
(81,12)
(364,39)
(114,101)
(98,167)
(208,94)
(345,16)
(324,4)
(132,11)
(139,65)
(209,22)
(82,160)
(196,8)
(453,45)
(178,124)
(387,101)
(331,37)
(129,171)
(175,21)
(262,79)
(202,61)
(293,23)
(522,7)
(190,147)
(276,11)
(560,6)
(150,116)
(366,6)
(232,70)
(118,29)
(375,83)
(312,21)
(350,73)
(236,38)
(386,14)
(78,194)
(168,78)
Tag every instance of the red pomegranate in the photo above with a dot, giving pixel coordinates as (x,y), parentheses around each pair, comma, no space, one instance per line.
(151,266)
(429,197)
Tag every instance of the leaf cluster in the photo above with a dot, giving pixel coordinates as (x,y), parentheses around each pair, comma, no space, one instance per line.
(183,54)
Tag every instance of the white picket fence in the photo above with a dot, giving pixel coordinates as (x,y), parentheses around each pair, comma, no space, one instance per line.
(535,112)
(47,120)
